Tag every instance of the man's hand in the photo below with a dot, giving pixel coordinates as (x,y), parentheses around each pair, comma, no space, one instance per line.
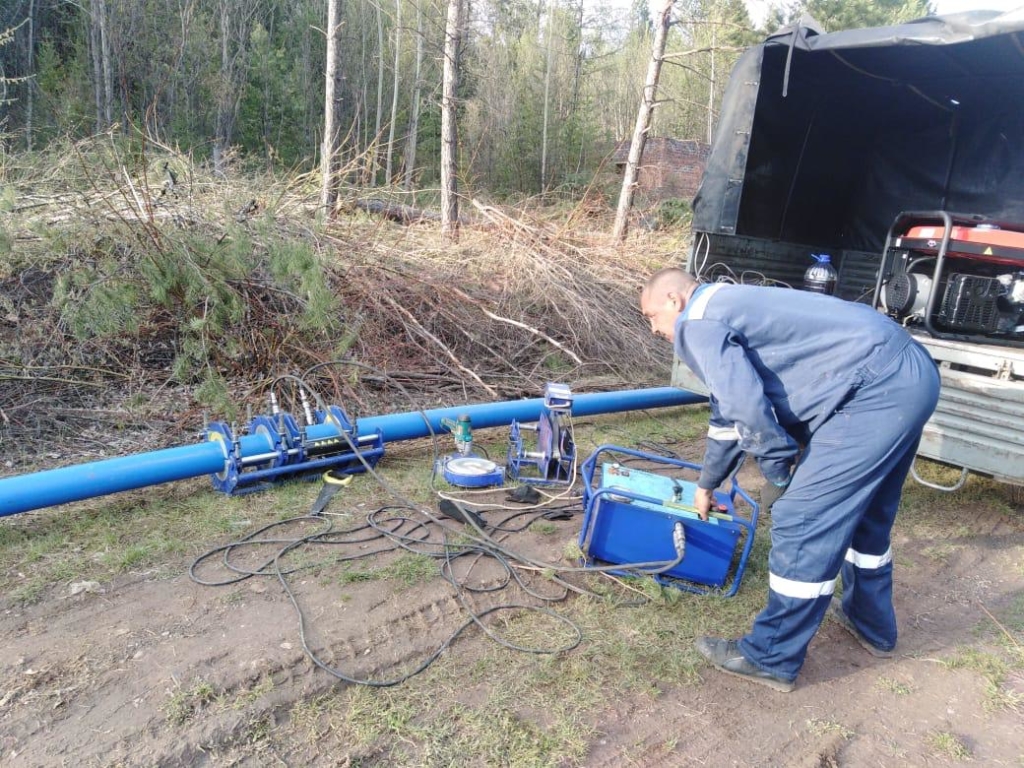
(770,493)
(702,500)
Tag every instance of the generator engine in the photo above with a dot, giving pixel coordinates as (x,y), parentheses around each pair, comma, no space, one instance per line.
(967,285)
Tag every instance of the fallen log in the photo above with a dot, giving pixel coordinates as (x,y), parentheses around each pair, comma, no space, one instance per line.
(403,214)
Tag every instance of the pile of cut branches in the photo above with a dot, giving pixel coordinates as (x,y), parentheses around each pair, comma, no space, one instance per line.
(123,308)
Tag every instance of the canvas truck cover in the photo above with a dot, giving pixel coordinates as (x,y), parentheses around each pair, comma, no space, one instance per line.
(824,138)
(825,141)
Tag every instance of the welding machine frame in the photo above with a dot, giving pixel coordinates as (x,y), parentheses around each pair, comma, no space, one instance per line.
(328,441)
(623,524)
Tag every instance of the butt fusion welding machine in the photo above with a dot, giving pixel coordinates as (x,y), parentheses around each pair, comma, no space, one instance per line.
(326,442)
(631,516)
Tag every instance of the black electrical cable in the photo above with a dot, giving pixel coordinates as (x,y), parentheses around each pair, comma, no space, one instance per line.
(415,538)
(391,528)
(531,515)
(650,568)
(659,449)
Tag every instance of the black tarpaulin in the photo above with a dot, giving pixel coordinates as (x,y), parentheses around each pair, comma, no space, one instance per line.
(824,138)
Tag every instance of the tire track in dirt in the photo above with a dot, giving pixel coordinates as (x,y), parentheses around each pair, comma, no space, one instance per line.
(122,657)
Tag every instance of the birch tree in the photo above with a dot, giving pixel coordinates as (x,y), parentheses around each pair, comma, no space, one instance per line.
(643,119)
(329,150)
(394,91)
(449,126)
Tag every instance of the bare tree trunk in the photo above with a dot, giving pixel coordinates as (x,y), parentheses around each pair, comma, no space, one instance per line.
(414,109)
(365,83)
(222,130)
(264,63)
(711,85)
(574,104)
(97,62)
(375,151)
(310,107)
(31,82)
(643,121)
(449,127)
(108,77)
(547,95)
(394,90)
(328,154)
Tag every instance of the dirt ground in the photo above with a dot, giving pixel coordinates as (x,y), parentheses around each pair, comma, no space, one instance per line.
(97,678)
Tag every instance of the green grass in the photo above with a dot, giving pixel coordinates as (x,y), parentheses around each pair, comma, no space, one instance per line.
(185,703)
(408,569)
(939,553)
(823,727)
(994,667)
(154,531)
(925,510)
(949,745)
(669,427)
(894,686)
(429,725)
(244,697)
(411,569)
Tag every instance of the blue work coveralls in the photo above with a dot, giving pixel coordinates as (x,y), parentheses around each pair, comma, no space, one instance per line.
(793,373)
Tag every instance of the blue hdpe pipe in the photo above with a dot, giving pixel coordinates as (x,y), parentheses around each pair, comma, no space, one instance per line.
(99,478)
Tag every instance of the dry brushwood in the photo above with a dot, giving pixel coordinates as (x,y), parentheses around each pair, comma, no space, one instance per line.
(515,304)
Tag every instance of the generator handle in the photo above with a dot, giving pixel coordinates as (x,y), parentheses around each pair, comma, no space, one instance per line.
(896,230)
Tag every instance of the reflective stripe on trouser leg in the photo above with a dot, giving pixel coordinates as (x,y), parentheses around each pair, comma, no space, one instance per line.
(867,567)
(860,452)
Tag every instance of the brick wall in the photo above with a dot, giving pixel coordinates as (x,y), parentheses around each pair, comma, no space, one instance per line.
(671,168)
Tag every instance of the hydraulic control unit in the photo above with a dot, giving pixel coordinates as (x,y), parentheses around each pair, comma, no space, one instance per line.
(631,515)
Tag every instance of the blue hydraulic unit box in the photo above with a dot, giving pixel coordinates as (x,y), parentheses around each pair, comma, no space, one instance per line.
(630,515)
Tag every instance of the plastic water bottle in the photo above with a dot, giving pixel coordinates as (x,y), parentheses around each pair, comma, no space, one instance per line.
(821,276)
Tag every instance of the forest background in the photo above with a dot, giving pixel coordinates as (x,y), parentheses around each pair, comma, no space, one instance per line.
(162,211)
(546,88)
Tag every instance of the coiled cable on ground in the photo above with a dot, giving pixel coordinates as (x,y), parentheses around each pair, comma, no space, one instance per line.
(411,527)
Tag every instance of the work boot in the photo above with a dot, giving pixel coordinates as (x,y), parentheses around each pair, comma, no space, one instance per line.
(835,610)
(725,656)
